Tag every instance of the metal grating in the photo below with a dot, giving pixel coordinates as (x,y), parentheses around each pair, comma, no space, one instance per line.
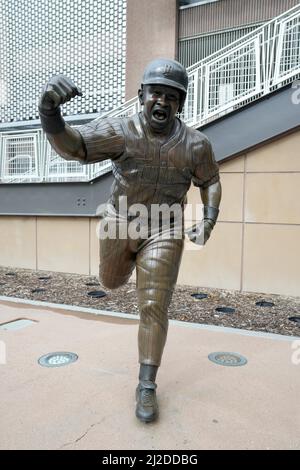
(57,359)
(59,169)
(289,50)
(228,359)
(232,77)
(20,157)
(16,324)
(83,40)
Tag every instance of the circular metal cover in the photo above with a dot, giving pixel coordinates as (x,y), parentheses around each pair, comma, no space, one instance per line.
(97,293)
(199,296)
(44,278)
(10,274)
(264,303)
(39,290)
(295,319)
(57,359)
(225,310)
(228,359)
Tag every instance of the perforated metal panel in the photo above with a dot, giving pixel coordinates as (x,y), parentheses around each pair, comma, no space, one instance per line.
(83,40)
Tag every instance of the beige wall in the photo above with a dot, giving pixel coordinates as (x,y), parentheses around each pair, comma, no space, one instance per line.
(254,246)
(63,244)
(18,242)
(151,33)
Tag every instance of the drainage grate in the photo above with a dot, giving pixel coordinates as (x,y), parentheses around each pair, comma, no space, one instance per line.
(295,319)
(39,290)
(97,294)
(199,296)
(16,324)
(228,359)
(264,303)
(57,359)
(225,310)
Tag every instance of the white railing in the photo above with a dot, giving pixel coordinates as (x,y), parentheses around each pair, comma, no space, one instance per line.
(253,66)
(19,161)
(247,69)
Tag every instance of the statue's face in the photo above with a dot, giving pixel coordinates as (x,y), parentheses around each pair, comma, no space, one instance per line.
(161,104)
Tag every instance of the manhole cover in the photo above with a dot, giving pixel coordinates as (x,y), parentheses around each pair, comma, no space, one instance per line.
(225,310)
(91,284)
(199,296)
(44,278)
(227,359)
(264,303)
(10,274)
(38,290)
(57,359)
(295,319)
(16,324)
(97,294)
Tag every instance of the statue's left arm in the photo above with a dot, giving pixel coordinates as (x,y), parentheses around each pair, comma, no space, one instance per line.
(211,198)
(206,177)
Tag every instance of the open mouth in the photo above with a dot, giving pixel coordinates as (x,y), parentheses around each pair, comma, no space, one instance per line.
(160,114)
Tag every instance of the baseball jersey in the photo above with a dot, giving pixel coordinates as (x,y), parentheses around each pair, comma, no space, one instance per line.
(145,170)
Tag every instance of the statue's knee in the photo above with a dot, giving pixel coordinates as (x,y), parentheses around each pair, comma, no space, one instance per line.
(110,281)
(153,311)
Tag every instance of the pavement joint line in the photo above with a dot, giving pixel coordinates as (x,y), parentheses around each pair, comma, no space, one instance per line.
(130,316)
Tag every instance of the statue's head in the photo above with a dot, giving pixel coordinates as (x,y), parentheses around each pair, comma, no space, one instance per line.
(163,92)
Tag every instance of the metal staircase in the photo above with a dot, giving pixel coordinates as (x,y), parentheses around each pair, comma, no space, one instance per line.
(244,71)
(251,67)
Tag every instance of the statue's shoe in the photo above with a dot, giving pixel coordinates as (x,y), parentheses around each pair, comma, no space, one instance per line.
(146,407)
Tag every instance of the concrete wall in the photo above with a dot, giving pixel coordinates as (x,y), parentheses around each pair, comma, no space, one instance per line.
(151,33)
(254,246)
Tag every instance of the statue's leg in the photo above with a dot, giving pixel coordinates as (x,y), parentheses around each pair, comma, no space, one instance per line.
(157,266)
(117,261)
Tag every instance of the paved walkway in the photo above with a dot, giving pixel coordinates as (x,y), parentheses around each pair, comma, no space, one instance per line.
(90,404)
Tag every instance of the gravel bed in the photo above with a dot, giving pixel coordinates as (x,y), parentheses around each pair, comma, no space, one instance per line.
(72,289)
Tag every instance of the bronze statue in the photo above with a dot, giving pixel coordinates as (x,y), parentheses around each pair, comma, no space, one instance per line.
(155,157)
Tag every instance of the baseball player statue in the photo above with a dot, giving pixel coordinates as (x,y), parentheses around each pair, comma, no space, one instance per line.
(155,157)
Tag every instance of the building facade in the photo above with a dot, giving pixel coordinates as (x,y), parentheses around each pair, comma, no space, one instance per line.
(208,26)
(47,205)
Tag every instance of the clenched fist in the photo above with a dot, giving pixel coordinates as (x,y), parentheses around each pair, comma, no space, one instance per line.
(59,90)
(200,233)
